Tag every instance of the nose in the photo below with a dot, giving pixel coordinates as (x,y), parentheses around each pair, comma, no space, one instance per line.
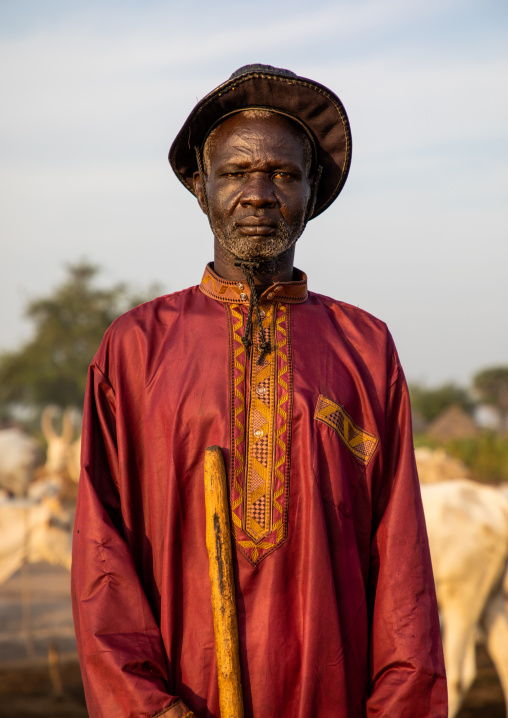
(258,191)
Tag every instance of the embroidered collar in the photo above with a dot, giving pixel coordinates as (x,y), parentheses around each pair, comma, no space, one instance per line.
(238,291)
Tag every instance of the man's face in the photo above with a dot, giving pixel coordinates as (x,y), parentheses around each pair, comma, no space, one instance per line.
(258,186)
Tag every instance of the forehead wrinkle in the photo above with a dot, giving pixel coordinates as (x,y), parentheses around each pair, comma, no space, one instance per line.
(257,155)
(234,148)
(248,140)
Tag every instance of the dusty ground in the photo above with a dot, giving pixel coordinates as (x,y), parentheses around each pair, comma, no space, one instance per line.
(485,699)
(35,613)
(29,689)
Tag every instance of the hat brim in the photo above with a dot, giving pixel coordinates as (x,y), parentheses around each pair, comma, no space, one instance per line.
(310,103)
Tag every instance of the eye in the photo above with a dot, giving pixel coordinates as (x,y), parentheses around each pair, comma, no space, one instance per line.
(284,176)
(234,175)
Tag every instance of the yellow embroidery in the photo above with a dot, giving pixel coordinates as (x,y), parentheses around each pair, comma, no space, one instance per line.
(260,437)
(239,409)
(260,461)
(281,410)
(222,289)
(358,441)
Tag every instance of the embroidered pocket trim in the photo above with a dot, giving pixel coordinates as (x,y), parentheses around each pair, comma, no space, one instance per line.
(359,442)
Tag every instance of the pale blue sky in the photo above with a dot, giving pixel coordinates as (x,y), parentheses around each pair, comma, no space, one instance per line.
(94,92)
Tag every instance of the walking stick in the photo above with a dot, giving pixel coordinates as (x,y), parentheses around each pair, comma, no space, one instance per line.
(218,544)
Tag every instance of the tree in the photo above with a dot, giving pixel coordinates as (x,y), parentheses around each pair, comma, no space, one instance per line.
(429,403)
(491,386)
(68,326)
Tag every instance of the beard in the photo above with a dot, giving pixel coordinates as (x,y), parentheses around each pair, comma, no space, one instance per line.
(261,248)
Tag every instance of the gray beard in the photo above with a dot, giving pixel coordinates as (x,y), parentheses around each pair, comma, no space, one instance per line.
(273,246)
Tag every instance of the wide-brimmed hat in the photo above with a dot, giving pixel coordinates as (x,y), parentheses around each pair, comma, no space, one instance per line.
(310,104)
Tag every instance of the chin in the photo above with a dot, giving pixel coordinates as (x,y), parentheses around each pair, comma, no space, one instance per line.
(262,250)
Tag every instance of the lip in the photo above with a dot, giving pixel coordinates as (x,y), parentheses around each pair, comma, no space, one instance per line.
(256,226)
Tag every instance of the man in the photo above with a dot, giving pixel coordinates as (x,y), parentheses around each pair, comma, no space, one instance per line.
(306,397)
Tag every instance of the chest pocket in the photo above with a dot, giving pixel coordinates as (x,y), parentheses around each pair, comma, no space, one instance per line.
(340,465)
(359,442)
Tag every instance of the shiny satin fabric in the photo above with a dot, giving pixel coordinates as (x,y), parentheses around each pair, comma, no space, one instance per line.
(340,618)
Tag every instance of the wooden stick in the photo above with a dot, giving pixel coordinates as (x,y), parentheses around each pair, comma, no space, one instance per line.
(218,544)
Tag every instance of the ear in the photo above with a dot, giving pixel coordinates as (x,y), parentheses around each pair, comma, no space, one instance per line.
(312,203)
(314,188)
(198,190)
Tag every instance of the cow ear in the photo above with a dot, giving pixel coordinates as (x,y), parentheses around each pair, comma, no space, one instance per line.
(48,430)
(68,425)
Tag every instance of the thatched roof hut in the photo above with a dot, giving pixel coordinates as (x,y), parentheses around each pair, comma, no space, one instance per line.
(453,423)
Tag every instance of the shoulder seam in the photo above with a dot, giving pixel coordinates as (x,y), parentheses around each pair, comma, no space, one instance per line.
(347,305)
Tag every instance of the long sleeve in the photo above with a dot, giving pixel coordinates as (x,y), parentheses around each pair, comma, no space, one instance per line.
(407,667)
(119,642)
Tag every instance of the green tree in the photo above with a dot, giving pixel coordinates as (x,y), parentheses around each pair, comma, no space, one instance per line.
(69,324)
(491,386)
(429,403)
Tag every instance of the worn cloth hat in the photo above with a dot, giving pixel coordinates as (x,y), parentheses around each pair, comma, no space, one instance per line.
(310,104)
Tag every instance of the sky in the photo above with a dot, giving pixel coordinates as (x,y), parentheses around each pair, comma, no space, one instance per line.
(93,94)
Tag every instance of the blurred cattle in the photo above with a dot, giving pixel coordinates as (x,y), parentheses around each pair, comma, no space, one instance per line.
(63,454)
(436,465)
(19,457)
(495,624)
(32,532)
(467,525)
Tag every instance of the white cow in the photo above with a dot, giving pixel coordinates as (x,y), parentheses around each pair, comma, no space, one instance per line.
(33,532)
(467,525)
(19,457)
(436,465)
(495,624)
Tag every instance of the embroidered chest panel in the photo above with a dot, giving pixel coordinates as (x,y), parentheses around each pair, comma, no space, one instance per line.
(261,402)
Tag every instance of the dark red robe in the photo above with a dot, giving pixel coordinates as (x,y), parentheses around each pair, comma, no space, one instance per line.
(335,597)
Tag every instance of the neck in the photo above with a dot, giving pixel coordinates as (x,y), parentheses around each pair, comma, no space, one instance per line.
(271,271)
